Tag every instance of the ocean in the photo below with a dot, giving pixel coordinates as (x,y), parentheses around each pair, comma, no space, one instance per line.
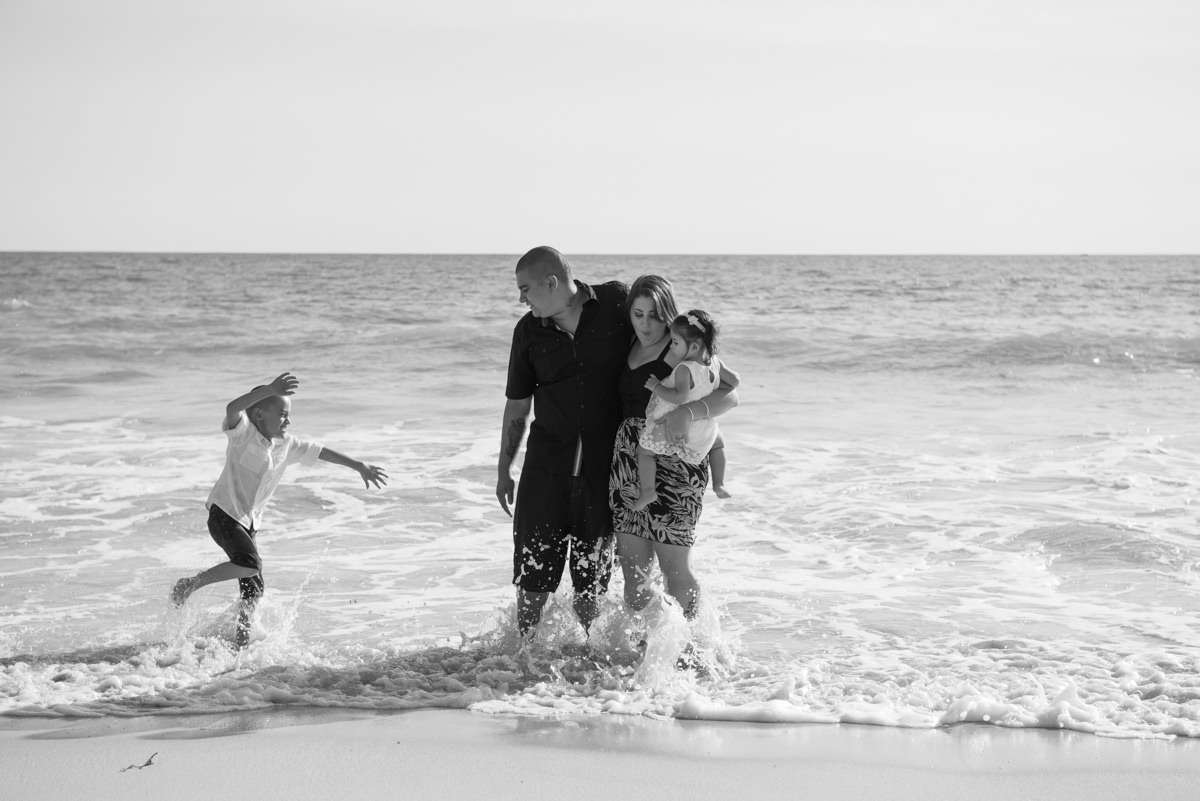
(965,489)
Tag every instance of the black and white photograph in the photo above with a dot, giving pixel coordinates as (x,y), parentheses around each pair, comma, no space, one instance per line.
(525,400)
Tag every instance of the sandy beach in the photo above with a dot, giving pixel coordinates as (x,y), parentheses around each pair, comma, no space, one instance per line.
(453,754)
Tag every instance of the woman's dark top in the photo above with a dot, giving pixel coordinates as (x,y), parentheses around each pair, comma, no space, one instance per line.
(632,384)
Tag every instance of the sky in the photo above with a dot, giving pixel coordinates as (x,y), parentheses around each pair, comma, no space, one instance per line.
(623,126)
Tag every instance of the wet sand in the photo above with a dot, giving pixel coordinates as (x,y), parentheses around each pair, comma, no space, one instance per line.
(455,754)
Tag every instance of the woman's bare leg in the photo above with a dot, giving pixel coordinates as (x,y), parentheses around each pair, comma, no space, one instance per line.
(675,563)
(637,560)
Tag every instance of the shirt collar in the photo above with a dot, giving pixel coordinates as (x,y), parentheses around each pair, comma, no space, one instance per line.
(584,289)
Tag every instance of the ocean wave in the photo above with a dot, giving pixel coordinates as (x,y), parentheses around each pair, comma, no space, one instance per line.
(1010,683)
(1067,348)
(1095,547)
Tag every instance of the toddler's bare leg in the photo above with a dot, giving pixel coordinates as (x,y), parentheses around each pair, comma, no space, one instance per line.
(716,465)
(647,473)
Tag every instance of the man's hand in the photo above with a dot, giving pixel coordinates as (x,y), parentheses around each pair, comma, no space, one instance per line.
(505,487)
(285,384)
(373,475)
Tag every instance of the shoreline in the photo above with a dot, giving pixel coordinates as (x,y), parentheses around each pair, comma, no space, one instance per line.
(453,754)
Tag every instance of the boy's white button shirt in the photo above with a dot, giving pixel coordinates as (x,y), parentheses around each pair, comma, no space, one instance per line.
(254,466)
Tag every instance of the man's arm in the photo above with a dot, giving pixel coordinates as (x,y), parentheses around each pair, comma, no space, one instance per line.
(516,420)
(284,384)
(369,472)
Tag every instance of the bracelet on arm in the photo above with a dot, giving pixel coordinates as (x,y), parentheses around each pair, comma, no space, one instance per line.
(693,414)
(707,411)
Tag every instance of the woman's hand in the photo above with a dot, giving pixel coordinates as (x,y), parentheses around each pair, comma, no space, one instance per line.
(675,424)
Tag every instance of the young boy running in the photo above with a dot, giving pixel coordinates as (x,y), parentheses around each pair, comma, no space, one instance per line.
(258,451)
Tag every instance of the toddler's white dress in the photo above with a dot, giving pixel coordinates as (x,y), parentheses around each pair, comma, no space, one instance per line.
(701,434)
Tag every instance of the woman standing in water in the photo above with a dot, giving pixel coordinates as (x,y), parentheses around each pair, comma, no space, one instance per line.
(666,529)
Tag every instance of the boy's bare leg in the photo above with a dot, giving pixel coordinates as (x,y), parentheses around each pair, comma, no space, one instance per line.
(647,473)
(251,589)
(223,572)
(245,612)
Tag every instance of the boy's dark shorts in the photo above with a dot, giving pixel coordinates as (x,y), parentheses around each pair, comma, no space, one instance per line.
(558,514)
(237,542)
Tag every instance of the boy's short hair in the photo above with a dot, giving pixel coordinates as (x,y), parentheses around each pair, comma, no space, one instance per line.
(262,404)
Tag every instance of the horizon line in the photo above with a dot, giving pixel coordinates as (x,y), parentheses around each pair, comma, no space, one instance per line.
(581,253)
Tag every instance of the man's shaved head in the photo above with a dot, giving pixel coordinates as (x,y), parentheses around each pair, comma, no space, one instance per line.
(543,262)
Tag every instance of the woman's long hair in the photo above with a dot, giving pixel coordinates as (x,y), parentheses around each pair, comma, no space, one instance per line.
(659,290)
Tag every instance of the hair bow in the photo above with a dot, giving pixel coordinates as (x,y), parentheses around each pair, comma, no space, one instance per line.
(695,321)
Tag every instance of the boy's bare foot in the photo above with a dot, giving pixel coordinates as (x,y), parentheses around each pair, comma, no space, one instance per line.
(722,492)
(644,500)
(183,590)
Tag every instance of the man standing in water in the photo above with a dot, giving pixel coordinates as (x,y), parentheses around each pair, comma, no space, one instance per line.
(567,354)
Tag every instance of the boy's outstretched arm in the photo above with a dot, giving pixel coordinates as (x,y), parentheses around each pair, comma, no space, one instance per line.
(369,472)
(284,384)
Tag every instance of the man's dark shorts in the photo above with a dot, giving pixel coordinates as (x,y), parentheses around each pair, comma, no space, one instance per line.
(237,542)
(558,514)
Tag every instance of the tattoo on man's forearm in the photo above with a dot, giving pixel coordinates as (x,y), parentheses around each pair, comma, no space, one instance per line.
(516,430)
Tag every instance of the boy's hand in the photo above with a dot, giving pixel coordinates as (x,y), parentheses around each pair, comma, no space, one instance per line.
(285,384)
(373,475)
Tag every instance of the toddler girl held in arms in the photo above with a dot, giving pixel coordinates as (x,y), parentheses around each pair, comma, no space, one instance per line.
(693,342)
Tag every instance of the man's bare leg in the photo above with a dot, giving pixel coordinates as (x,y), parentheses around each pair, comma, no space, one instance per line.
(529,610)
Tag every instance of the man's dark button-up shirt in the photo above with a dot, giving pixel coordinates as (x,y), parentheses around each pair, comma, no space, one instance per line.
(573,381)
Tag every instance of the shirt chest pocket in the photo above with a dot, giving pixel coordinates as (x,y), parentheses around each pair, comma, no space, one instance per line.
(255,459)
(553,360)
